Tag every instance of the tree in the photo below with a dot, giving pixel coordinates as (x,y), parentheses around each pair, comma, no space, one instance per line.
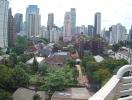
(21,45)
(5,76)
(43,69)
(55,81)
(19,78)
(12,60)
(37,97)
(5,95)
(35,65)
(116,47)
(102,74)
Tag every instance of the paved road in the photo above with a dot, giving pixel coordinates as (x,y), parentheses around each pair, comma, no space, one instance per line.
(82,79)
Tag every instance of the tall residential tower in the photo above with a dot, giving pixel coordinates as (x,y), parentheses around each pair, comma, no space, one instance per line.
(67,35)
(19,22)
(11,29)
(73,21)
(97,23)
(33,20)
(4,4)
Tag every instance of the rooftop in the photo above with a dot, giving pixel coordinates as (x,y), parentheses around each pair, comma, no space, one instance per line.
(98,58)
(26,94)
(39,60)
(72,94)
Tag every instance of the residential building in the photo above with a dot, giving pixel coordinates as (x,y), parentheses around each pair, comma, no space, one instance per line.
(73,21)
(97,23)
(117,33)
(67,35)
(71,94)
(55,34)
(44,32)
(27,94)
(50,22)
(90,30)
(33,21)
(11,29)
(106,35)
(78,28)
(19,22)
(4,4)
(130,34)
(82,30)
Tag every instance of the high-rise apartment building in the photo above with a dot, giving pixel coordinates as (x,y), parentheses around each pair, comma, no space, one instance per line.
(90,30)
(117,33)
(73,21)
(11,29)
(4,4)
(33,21)
(67,35)
(55,34)
(50,22)
(19,22)
(130,34)
(97,23)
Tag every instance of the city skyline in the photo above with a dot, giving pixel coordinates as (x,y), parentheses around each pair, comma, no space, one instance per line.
(112,11)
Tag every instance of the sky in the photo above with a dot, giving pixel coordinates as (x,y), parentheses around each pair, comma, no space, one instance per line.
(113,11)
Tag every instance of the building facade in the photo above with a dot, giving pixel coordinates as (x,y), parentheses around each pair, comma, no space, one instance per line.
(90,30)
(67,35)
(97,23)
(50,23)
(130,34)
(73,21)
(11,29)
(4,4)
(55,34)
(117,33)
(33,21)
(19,22)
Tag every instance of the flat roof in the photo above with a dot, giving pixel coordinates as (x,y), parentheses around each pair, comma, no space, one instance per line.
(98,58)
(39,60)
(73,93)
(27,94)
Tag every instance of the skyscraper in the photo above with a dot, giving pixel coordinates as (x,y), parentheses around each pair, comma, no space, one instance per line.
(33,18)
(90,30)
(130,34)
(50,23)
(19,22)
(117,33)
(4,4)
(67,36)
(11,29)
(73,21)
(97,23)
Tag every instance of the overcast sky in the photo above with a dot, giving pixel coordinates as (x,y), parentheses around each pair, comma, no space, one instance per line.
(113,11)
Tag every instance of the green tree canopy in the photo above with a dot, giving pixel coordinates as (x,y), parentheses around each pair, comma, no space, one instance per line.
(35,65)
(5,76)
(19,78)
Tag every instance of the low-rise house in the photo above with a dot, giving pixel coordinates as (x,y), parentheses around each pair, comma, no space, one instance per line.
(124,53)
(31,50)
(27,94)
(40,60)
(98,58)
(72,94)
(55,61)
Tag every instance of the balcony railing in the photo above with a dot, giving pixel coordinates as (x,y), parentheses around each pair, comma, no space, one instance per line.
(118,87)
